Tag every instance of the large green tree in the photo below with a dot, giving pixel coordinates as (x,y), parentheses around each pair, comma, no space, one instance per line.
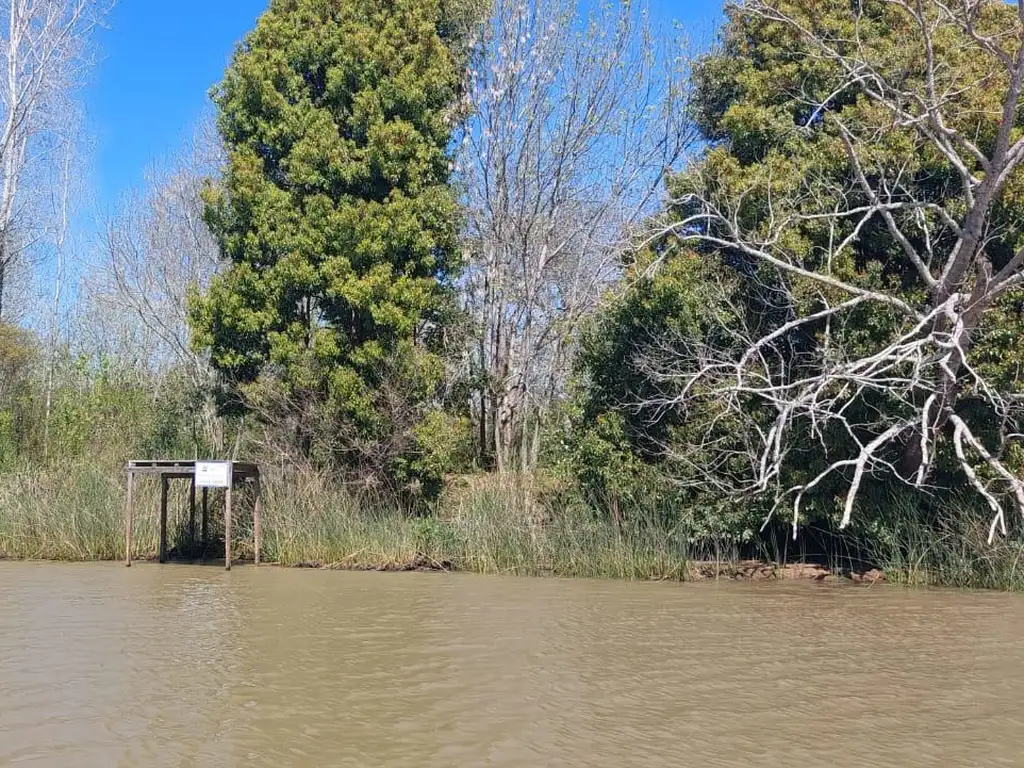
(337,222)
(860,207)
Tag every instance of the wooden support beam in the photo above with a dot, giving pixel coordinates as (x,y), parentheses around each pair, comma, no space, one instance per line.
(164,485)
(128,520)
(185,469)
(227,528)
(257,511)
(206,518)
(192,516)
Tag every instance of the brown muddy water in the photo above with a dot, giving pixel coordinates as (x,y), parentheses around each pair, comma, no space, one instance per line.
(185,666)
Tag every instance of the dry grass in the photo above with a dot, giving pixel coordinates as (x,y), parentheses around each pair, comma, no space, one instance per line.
(491,525)
(482,525)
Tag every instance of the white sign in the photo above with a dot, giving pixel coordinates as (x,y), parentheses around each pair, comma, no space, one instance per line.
(213,474)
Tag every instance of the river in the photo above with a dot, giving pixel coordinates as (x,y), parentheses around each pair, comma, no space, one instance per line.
(190,666)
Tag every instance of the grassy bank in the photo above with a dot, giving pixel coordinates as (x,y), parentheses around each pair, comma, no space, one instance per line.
(72,515)
(486,526)
(482,525)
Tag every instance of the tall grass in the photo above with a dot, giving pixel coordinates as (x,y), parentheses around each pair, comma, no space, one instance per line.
(482,525)
(489,525)
(492,525)
(947,547)
(68,515)
(307,521)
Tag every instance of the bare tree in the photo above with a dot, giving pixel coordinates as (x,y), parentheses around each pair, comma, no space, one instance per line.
(62,193)
(156,250)
(43,49)
(921,377)
(575,120)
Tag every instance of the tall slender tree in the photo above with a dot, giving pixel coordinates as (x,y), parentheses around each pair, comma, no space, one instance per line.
(337,221)
(578,112)
(44,46)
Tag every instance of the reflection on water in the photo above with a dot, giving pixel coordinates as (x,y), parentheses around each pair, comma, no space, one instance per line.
(180,666)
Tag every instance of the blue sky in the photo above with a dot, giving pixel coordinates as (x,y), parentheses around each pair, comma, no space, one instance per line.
(157,62)
(159,58)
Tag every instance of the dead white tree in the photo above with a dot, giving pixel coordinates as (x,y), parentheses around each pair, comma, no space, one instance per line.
(576,116)
(921,375)
(44,47)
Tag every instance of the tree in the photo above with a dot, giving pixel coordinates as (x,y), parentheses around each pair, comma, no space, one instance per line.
(337,222)
(625,457)
(576,117)
(156,251)
(44,45)
(63,188)
(133,303)
(863,183)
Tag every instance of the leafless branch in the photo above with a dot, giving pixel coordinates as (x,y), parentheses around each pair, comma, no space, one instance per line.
(576,117)
(917,378)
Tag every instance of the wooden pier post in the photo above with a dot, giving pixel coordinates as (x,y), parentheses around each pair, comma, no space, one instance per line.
(206,518)
(256,514)
(128,520)
(227,528)
(164,486)
(192,516)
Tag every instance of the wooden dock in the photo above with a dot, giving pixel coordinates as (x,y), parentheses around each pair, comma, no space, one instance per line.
(168,470)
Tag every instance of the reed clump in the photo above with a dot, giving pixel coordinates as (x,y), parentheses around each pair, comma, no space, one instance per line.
(947,547)
(484,525)
(75,514)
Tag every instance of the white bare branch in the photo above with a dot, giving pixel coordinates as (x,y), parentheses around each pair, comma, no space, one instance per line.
(888,407)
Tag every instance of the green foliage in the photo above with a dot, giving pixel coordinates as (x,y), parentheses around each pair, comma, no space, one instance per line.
(444,446)
(17,355)
(17,351)
(8,440)
(664,310)
(100,410)
(620,454)
(607,469)
(336,216)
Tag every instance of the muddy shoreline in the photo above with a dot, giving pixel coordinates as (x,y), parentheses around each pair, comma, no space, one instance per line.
(697,571)
(746,570)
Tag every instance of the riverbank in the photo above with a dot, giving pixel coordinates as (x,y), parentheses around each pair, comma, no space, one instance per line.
(689,571)
(486,525)
(697,570)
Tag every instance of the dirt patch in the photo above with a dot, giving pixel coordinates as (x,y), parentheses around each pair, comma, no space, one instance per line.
(755,570)
(420,563)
